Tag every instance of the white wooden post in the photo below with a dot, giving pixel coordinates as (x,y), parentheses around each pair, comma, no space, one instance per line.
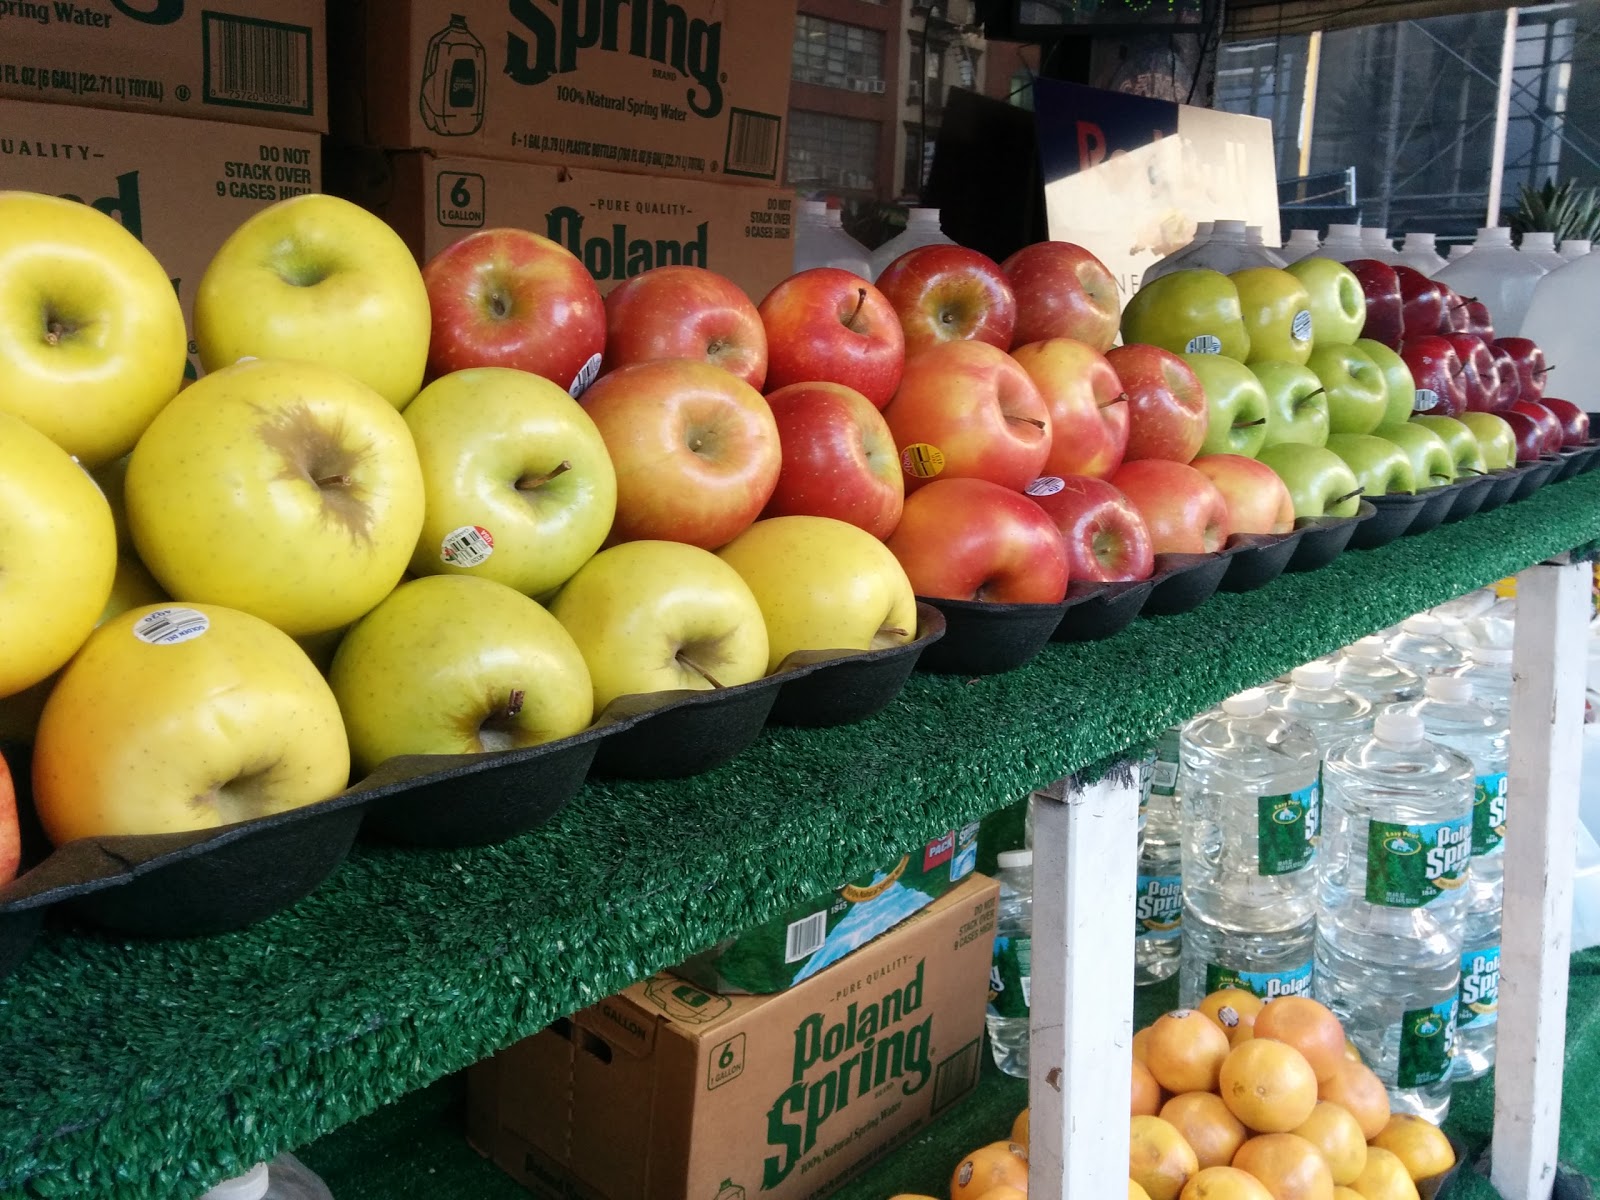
(1085,864)
(1548,670)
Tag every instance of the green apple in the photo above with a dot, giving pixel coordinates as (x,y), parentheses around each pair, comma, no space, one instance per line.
(454,664)
(1236,405)
(1495,439)
(518,484)
(1357,394)
(1466,452)
(1398,385)
(662,616)
(318,279)
(1188,312)
(1297,403)
(1431,463)
(1338,304)
(1381,467)
(1321,484)
(1277,314)
(823,585)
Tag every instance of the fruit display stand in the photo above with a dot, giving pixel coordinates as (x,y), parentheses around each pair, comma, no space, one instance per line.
(155,1068)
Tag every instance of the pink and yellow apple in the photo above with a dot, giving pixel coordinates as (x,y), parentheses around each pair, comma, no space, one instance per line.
(1107,540)
(1182,508)
(1063,291)
(838,458)
(1088,408)
(691,313)
(832,326)
(1167,411)
(949,293)
(969,539)
(1258,500)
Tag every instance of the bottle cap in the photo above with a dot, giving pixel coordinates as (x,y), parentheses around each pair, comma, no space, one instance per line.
(1252,233)
(1299,237)
(1013,859)
(1534,240)
(813,208)
(1499,235)
(1394,728)
(1452,689)
(1374,233)
(1251,703)
(1344,231)
(923,216)
(1368,649)
(252,1185)
(1424,240)
(1576,246)
(1314,676)
(1228,228)
(1490,655)
(1204,228)
(1423,625)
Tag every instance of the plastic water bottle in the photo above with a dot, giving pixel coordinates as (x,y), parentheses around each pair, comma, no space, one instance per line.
(1343,244)
(1010,977)
(1419,252)
(1302,243)
(1421,646)
(1228,249)
(1555,319)
(820,241)
(922,229)
(1171,263)
(1254,236)
(1501,276)
(1572,248)
(1375,241)
(1366,669)
(1158,904)
(1459,251)
(1541,248)
(1248,784)
(1488,670)
(1332,713)
(1478,1001)
(1396,844)
(284,1178)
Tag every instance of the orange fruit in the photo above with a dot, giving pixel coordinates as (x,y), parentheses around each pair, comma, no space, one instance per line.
(1019,1129)
(1290,1167)
(1268,1085)
(1226,1006)
(1135,1192)
(1141,1045)
(1185,1051)
(1309,1027)
(1350,1051)
(1213,1132)
(1159,1160)
(1146,1101)
(999,1164)
(1338,1135)
(1354,1088)
(1344,1193)
(1244,1030)
(1418,1143)
(1224,1183)
(1384,1177)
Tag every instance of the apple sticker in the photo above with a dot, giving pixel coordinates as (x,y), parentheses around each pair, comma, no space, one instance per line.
(585,376)
(1045,485)
(921,460)
(1203,343)
(1300,327)
(169,626)
(466,546)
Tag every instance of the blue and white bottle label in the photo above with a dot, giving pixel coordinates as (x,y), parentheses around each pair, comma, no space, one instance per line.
(1479,1006)
(1158,908)
(1268,985)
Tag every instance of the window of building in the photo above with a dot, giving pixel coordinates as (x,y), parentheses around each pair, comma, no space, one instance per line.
(926,75)
(829,151)
(1020,91)
(833,54)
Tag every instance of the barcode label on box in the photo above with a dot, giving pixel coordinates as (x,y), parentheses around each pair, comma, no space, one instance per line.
(805,937)
(256,64)
(752,144)
(956,1075)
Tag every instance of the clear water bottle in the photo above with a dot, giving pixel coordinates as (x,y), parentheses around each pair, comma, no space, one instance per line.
(1332,713)
(1421,646)
(1393,871)
(1488,670)
(1158,904)
(284,1178)
(1248,786)
(1302,243)
(1228,249)
(1366,669)
(922,229)
(1478,1001)
(1011,975)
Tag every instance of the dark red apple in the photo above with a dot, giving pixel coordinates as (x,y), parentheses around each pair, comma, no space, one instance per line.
(1479,320)
(1510,381)
(950,294)
(690,313)
(1167,410)
(1480,377)
(1436,371)
(1574,421)
(1107,540)
(1456,318)
(831,326)
(1550,436)
(1382,288)
(839,458)
(1421,302)
(1530,364)
(1529,436)
(1063,291)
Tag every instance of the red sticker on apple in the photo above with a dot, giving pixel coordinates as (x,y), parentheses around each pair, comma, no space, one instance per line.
(1045,485)
(466,546)
(1426,398)
(1203,343)
(922,461)
(169,626)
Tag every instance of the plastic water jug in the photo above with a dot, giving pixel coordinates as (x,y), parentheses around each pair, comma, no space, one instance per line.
(451,98)
(1561,320)
(1541,248)
(1302,243)
(1375,240)
(1253,236)
(1171,263)
(820,241)
(1343,244)
(1227,250)
(1496,273)
(1575,248)
(284,1178)
(1418,251)
(922,229)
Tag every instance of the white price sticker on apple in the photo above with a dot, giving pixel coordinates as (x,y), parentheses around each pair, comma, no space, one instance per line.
(1203,343)
(585,376)
(169,626)
(1426,398)
(1045,485)
(466,546)
(1301,326)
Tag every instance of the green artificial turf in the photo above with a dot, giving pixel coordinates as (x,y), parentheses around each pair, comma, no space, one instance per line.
(152,1069)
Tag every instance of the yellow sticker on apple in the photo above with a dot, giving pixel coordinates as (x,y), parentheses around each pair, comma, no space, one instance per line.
(922,461)
(466,546)
(169,626)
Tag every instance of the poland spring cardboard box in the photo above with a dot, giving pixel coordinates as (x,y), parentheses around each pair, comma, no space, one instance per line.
(668,1092)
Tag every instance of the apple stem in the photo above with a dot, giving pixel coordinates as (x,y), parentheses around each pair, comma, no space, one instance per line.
(1546,370)
(54,332)
(1472,471)
(700,671)
(528,482)
(332,481)
(1250,424)
(1035,422)
(514,702)
(1320,391)
(861,302)
(1338,500)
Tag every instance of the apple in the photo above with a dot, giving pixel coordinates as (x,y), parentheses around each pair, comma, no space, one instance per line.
(1398,386)
(695,448)
(1431,462)
(1277,314)
(946,293)
(1479,320)
(1529,434)
(1574,421)
(1496,442)
(1320,483)
(1188,312)
(185,716)
(1436,369)
(1236,405)
(1458,437)
(1510,378)
(1529,361)
(1385,312)
(1358,394)
(969,539)
(823,585)
(1258,500)
(510,298)
(1182,508)
(1456,318)
(678,312)
(1338,302)
(1549,425)
(1480,377)
(1088,409)
(93,337)
(517,483)
(1063,291)
(1421,302)
(1107,540)
(967,410)
(317,279)
(837,458)
(1381,467)
(826,325)
(58,555)
(1297,404)
(10,829)
(652,616)
(1167,413)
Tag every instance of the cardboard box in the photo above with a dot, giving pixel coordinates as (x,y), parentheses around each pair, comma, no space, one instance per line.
(668,1092)
(811,936)
(692,88)
(180,187)
(256,62)
(619,225)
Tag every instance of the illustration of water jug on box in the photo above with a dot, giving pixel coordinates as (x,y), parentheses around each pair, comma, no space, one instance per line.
(451,100)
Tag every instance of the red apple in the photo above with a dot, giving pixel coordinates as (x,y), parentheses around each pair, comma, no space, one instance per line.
(1480,376)
(1436,371)
(1527,431)
(1382,288)
(510,298)
(1530,364)
(695,448)
(968,539)
(1421,303)
(1088,408)
(948,294)
(10,831)
(1456,317)
(1506,371)
(685,313)
(1574,421)
(838,458)
(1063,291)
(1106,538)
(966,410)
(1167,413)
(1478,319)
(1550,435)
(1183,509)
(831,325)
(1258,499)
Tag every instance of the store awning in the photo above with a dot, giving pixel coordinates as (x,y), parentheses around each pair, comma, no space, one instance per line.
(1267,18)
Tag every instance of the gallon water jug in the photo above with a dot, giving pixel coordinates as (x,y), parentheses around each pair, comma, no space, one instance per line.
(451,98)
(1302,243)
(1458,251)
(1253,237)
(1561,321)
(1421,646)
(1498,275)
(1343,244)
(922,229)
(1574,248)
(1418,251)
(1377,244)
(1227,250)
(1488,670)
(1541,248)
(820,241)
(1171,263)
(1364,667)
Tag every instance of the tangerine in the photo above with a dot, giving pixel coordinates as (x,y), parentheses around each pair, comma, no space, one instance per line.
(1228,1006)
(1213,1132)
(1244,1030)
(1354,1088)
(1185,1051)
(1145,1100)
(1268,1085)
(1418,1143)
(1224,1183)
(1309,1027)
(1159,1160)
(1019,1129)
(1290,1167)
(1385,1177)
(999,1164)
(1141,1046)
(1337,1134)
